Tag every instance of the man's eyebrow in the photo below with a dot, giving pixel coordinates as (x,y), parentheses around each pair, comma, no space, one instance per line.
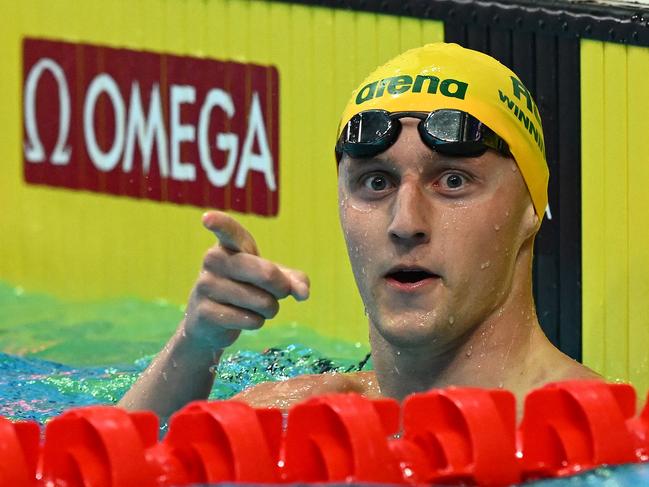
(357,162)
(445,159)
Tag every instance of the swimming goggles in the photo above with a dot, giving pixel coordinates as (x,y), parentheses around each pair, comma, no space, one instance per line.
(450,132)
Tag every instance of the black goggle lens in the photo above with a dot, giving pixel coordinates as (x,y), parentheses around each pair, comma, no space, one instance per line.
(367,127)
(446,125)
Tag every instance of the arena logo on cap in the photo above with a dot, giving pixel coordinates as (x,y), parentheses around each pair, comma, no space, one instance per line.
(156,126)
(396,85)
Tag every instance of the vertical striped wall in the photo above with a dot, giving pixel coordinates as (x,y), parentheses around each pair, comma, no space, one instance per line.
(83,246)
(615,209)
(548,64)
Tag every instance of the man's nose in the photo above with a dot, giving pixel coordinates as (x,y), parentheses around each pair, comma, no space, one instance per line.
(410,223)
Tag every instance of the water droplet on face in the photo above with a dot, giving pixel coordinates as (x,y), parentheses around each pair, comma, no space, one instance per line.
(497,227)
(451,319)
(485,265)
(361,209)
(164,376)
(469,352)
(514,168)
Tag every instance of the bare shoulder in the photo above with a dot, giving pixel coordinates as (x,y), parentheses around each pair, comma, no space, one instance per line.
(565,368)
(575,370)
(284,394)
(555,366)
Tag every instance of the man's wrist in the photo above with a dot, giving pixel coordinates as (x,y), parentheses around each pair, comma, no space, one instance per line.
(192,351)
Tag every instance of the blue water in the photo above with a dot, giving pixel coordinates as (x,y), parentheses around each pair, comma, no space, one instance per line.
(636,475)
(36,389)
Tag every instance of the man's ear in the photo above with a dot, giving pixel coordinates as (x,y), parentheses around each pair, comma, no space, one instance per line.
(530,224)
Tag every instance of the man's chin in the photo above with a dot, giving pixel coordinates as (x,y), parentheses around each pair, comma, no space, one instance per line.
(413,333)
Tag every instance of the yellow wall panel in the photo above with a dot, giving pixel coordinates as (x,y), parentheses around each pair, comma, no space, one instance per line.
(592,178)
(615,168)
(638,207)
(83,245)
(410,33)
(616,211)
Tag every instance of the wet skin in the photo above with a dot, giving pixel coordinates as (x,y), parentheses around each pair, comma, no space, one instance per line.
(469,319)
(470,224)
(441,250)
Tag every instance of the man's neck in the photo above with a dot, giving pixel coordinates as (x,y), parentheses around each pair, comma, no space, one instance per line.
(493,355)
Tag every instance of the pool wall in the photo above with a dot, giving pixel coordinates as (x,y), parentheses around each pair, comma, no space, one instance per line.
(98,238)
(88,245)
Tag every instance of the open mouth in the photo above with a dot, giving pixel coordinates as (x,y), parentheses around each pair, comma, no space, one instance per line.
(410,276)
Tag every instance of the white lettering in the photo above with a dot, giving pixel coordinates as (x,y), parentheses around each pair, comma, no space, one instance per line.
(34,151)
(180,94)
(262,162)
(145,130)
(226,142)
(104,161)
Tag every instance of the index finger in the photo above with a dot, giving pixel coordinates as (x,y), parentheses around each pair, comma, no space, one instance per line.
(230,232)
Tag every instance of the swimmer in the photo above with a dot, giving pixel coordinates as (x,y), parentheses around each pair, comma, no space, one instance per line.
(442,187)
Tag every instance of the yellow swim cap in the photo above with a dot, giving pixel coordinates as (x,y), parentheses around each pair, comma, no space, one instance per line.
(444,75)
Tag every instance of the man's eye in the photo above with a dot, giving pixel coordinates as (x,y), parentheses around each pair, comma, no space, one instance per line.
(376,182)
(452,180)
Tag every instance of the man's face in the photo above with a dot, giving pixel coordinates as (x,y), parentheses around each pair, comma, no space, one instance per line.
(433,240)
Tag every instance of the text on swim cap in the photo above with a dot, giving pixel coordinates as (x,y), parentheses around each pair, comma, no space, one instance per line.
(396,85)
(524,120)
(519,89)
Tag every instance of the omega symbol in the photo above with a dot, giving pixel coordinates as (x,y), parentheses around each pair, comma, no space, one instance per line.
(34,151)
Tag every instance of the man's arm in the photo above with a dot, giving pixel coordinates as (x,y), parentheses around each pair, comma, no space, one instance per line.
(180,373)
(236,290)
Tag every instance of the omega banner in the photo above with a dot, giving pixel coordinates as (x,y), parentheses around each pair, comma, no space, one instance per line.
(156,126)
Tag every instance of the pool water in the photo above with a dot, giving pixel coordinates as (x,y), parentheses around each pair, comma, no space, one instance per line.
(55,355)
(36,389)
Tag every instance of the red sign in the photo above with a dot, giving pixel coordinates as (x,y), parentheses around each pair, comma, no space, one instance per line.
(156,126)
